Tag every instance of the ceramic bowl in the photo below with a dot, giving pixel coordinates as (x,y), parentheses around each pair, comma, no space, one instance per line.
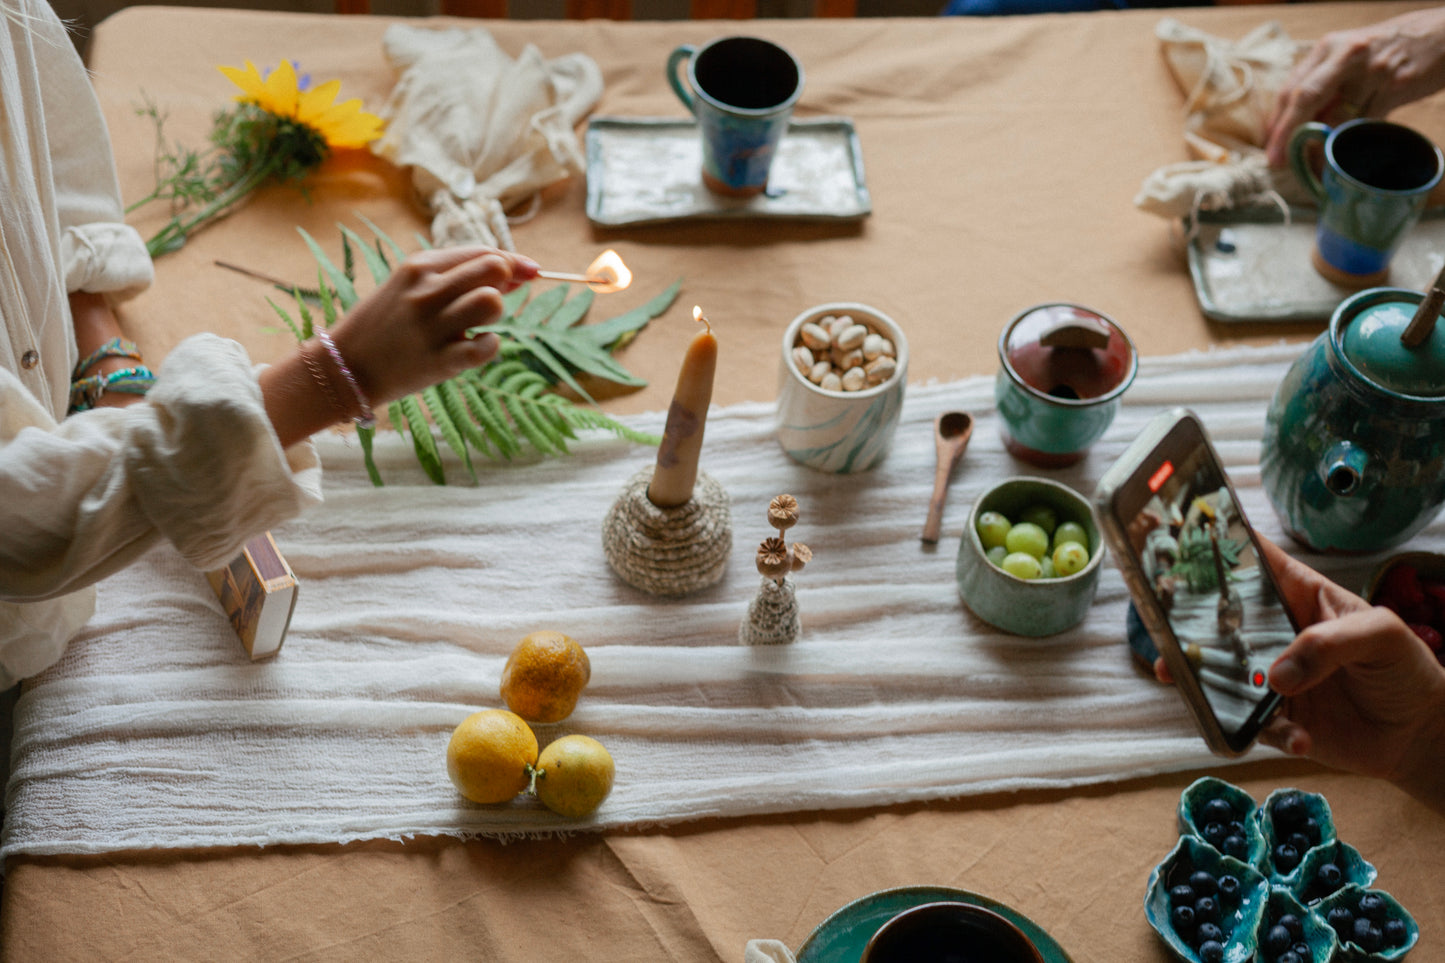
(1202,813)
(1328,868)
(1297,819)
(1286,924)
(1429,610)
(1352,950)
(1032,607)
(1239,893)
(839,431)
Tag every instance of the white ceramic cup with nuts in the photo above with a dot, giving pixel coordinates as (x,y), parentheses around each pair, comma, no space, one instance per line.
(840,386)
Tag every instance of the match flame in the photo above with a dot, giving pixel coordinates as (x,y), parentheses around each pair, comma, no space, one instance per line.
(697,315)
(608,274)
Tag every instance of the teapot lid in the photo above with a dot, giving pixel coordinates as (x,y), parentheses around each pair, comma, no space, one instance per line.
(1374,340)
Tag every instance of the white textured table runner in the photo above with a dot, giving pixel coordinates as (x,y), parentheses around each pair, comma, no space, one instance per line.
(154,730)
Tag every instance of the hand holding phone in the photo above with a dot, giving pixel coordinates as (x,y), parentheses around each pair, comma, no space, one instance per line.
(1194,568)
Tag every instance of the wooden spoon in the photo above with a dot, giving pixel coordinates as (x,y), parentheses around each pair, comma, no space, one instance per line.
(951,432)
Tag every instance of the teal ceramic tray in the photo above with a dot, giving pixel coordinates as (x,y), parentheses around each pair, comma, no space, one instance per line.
(841,937)
(1254,266)
(647,170)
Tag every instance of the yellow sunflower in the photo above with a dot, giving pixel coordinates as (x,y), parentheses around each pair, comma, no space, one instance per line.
(343,125)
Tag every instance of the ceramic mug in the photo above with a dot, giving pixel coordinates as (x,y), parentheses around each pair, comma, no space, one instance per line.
(1371,191)
(1062,370)
(839,431)
(949,932)
(742,91)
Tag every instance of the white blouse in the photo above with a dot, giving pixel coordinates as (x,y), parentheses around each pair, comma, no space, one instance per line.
(197,462)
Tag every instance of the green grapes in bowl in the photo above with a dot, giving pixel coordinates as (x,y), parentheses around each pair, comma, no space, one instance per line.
(1030,557)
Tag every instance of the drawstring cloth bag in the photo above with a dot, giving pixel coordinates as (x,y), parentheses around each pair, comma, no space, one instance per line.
(482,132)
(1230,89)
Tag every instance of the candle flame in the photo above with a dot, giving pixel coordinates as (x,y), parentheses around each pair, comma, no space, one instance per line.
(697,315)
(608,274)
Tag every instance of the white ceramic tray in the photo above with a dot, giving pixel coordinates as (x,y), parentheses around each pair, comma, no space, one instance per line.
(1251,266)
(643,170)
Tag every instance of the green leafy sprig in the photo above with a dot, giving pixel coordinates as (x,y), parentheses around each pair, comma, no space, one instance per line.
(249,146)
(1196,559)
(509,404)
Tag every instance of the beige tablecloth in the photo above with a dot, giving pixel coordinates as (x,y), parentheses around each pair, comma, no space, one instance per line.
(1002,156)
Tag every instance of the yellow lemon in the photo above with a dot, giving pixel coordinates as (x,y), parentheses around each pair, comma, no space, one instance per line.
(574,775)
(490,756)
(544,676)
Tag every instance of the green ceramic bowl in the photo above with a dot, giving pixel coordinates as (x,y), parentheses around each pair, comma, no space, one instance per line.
(1033,607)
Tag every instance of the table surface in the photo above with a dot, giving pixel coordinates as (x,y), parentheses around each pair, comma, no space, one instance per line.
(1002,156)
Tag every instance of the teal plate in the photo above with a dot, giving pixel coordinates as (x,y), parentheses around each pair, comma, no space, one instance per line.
(841,937)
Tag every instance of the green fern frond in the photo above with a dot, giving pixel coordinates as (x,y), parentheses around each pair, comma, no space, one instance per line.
(500,409)
(295,328)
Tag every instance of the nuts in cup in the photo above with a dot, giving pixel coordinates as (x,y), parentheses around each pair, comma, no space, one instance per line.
(838,353)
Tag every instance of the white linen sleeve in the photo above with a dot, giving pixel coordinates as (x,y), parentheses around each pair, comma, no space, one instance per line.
(99,252)
(197,463)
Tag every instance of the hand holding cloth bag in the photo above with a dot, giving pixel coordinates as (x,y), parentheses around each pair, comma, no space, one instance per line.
(481,131)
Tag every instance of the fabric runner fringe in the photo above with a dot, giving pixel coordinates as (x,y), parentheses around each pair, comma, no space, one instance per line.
(155,731)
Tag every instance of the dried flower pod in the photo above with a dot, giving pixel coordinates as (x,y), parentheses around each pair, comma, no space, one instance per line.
(854,379)
(802,555)
(831,382)
(880,369)
(803,358)
(815,337)
(851,337)
(773,560)
(820,368)
(783,512)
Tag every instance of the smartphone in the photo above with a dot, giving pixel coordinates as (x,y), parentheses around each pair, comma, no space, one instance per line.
(1197,576)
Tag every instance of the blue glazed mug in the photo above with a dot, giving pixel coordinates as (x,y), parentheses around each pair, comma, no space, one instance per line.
(1371,191)
(742,91)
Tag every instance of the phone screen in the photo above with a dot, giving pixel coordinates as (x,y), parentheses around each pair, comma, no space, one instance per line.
(1207,583)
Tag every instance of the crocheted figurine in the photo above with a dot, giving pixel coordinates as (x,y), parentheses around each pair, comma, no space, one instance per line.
(773,615)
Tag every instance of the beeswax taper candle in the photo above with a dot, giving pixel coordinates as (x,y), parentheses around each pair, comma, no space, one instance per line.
(677,457)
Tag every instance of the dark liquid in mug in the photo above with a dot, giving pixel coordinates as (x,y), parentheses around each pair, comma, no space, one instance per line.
(746,72)
(942,941)
(1385,158)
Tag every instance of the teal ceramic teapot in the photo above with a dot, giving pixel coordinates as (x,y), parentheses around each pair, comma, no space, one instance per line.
(1353,457)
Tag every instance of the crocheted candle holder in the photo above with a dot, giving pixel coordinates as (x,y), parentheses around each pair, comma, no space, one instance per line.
(773,617)
(668,551)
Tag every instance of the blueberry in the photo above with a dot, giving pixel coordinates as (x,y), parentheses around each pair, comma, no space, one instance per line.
(1286,857)
(1206,909)
(1367,935)
(1236,828)
(1235,846)
(1395,932)
(1292,924)
(1289,808)
(1209,933)
(1214,832)
(1299,841)
(1341,920)
(1181,895)
(1211,952)
(1228,885)
(1277,940)
(1182,919)
(1303,952)
(1311,828)
(1216,810)
(1329,876)
(1203,882)
(1288,956)
(1372,906)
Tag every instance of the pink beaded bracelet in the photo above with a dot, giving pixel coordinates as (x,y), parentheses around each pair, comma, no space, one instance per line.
(366,419)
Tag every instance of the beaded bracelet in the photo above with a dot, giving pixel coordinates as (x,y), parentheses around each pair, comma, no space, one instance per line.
(85,393)
(366,419)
